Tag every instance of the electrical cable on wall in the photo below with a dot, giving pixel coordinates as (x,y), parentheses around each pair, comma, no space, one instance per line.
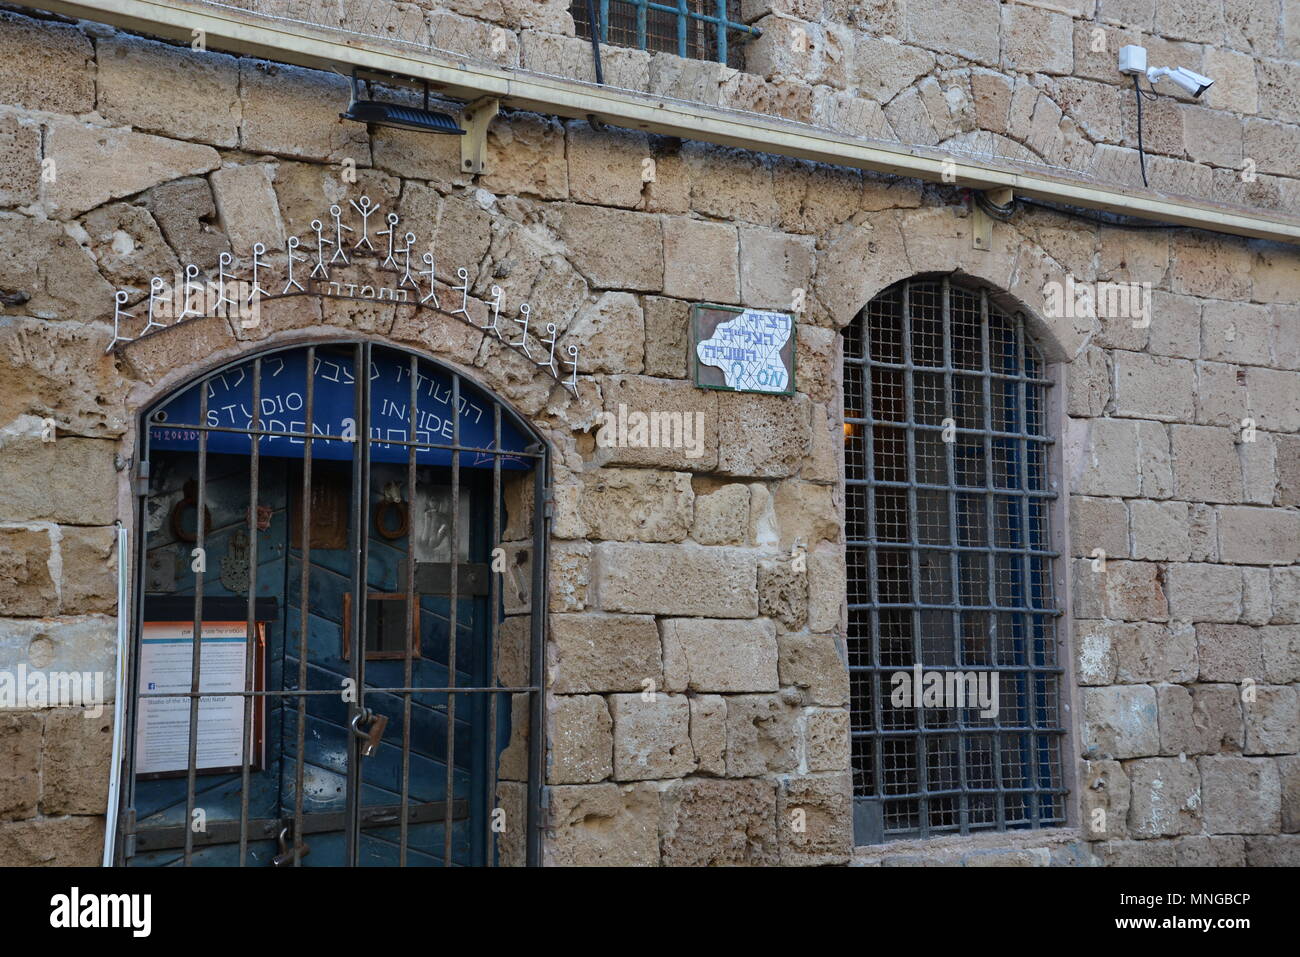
(596,124)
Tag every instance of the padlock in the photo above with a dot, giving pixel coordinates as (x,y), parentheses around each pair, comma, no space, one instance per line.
(287,853)
(378,722)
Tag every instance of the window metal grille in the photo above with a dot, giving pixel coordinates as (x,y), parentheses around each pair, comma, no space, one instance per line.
(298,480)
(949,565)
(699,29)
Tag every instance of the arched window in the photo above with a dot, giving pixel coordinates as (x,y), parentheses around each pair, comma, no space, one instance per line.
(950,568)
(360,558)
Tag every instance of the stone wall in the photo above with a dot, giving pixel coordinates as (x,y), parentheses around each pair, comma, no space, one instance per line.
(1027,82)
(697,693)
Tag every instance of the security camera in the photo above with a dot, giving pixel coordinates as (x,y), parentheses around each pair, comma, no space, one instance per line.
(1133,61)
(1189,80)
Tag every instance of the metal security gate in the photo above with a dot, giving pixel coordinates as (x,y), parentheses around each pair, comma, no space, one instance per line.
(339,613)
(950,563)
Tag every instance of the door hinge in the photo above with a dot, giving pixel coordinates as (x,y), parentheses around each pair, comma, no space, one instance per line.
(142,478)
(128,835)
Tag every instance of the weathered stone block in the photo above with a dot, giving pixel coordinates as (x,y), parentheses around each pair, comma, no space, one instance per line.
(1166,797)
(95,164)
(1128,591)
(761,735)
(1259,536)
(29,495)
(20,753)
(815,820)
(640,505)
(76,761)
(701,260)
(1104,788)
(607,168)
(612,333)
(1229,652)
(1095,653)
(88,557)
(20,161)
(1272,721)
(1161,531)
(762,436)
(826,739)
(580,740)
(719,822)
(247,205)
(676,580)
(783,594)
(294,112)
(719,655)
(603,825)
(1201,592)
(667,331)
(1206,466)
(709,733)
(1153,387)
(56,72)
(1203,719)
(722,516)
(53,842)
(171,90)
(1098,523)
(658,422)
(26,586)
(1120,722)
(826,587)
(600,653)
(1150,652)
(1281,653)
(1241,795)
(652,738)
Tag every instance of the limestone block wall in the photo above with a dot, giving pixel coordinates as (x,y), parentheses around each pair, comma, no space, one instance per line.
(697,691)
(1024,81)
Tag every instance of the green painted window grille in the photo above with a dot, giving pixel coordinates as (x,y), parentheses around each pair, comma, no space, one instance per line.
(699,29)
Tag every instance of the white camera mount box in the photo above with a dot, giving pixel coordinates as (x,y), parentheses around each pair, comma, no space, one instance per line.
(1133,59)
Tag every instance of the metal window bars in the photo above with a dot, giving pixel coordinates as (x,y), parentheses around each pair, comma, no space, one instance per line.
(326,775)
(698,29)
(949,565)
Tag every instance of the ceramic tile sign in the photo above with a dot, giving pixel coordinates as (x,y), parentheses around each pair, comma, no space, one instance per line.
(744,350)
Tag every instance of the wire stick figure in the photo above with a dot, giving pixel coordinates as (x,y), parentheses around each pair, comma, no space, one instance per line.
(366,208)
(433,285)
(572,384)
(406,274)
(320,269)
(119,299)
(525,311)
(156,286)
(223,300)
(339,230)
(391,233)
(293,244)
(550,362)
(463,274)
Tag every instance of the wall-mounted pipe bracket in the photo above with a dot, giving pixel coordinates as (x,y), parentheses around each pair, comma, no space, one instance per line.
(474,121)
(981,222)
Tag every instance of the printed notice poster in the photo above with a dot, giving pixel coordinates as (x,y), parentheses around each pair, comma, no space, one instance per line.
(162,744)
(745,350)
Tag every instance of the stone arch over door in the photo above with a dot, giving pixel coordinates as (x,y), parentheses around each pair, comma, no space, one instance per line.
(169,361)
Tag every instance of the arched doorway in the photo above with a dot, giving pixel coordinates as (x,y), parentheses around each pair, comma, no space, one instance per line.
(362,569)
